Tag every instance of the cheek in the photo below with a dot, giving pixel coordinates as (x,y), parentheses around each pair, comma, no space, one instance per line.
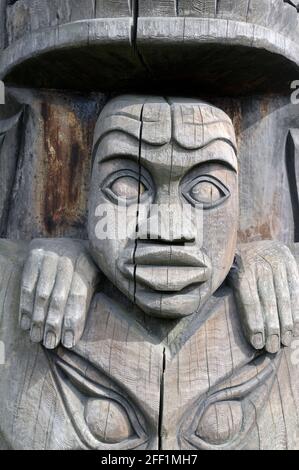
(220,226)
(102,233)
(112,230)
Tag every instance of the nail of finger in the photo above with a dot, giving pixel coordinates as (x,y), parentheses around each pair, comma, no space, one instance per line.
(273,344)
(286,338)
(25,322)
(68,339)
(50,340)
(36,334)
(257,341)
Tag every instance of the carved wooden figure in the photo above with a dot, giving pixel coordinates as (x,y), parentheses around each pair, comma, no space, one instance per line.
(148,263)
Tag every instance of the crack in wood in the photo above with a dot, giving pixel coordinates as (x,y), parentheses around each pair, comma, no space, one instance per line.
(291,166)
(161,405)
(138,201)
(290,2)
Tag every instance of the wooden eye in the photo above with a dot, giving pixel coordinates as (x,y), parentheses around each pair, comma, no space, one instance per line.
(205,190)
(127,187)
(220,423)
(108,421)
(206,193)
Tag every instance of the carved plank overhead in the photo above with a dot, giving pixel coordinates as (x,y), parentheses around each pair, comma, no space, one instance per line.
(27,16)
(123,27)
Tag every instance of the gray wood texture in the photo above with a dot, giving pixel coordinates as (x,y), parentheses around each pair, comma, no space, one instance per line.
(142,41)
(266,210)
(161,340)
(204,386)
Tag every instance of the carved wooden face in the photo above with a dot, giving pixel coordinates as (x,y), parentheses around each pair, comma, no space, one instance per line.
(167,172)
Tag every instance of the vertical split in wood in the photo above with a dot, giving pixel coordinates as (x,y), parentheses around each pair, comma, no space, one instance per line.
(138,201)
(2,23)
(292,164)
(135,14)
(161,406)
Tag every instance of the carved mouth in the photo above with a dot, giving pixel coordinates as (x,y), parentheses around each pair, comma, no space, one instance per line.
(170,256)
(166,269)
(166,278)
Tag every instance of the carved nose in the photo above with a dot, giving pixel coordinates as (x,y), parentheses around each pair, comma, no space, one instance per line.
(159,229)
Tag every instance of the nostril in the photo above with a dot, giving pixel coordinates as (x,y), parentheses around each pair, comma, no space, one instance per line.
(161,241)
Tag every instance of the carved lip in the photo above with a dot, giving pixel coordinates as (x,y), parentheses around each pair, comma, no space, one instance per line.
(167,269)
(156,255)
(167,278)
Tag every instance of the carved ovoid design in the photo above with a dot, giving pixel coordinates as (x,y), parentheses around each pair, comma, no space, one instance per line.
(108,421)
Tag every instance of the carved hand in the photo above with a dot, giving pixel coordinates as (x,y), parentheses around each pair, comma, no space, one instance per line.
(58,283)
(265,279)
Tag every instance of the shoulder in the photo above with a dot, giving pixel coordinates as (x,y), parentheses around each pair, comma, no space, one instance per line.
(12,254)
(12,258)
(294,249)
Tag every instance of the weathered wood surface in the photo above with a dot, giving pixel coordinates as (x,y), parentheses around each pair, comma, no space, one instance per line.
(232,400)
(49,196)
(26,16)
(10,144)
(292,163)
(49,183)
(137,42)
(137,381)
(23,16)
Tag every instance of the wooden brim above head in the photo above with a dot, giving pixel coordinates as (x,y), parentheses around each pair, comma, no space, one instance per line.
(165,55)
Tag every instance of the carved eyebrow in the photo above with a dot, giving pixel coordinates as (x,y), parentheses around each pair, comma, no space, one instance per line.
(111,155)
(166,125)
(154,132)
(119,156)
(222,161)
(129,155)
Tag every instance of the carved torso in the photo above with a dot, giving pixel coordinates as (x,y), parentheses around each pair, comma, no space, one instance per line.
(204,389)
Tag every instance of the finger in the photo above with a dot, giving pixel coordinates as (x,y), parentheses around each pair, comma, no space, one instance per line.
(76,310)
(43,294)
(87,270)
(283,300)
(250,309)
(28,288)
(268,302)
(54,320)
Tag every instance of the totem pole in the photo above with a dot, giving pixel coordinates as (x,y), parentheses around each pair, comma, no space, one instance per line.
(149,221)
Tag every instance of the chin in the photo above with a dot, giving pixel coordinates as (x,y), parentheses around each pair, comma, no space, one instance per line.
(170,306)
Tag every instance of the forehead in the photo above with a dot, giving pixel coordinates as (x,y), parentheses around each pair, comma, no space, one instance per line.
(158,124)
(158,158)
